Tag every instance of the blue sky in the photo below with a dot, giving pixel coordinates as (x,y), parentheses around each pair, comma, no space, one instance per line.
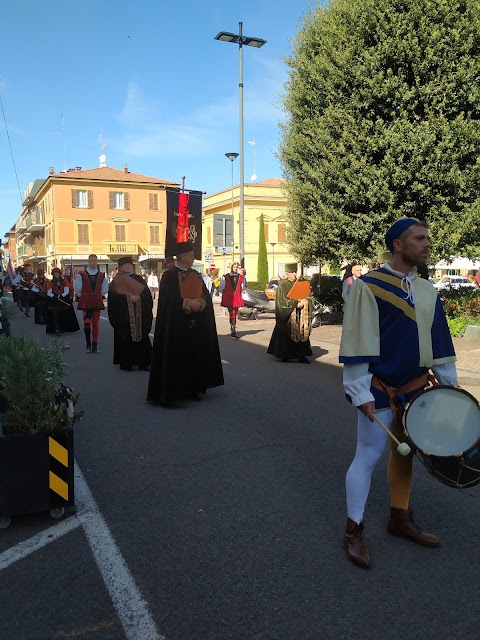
(150,77)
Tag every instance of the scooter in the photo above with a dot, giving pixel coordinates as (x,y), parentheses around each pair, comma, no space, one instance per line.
(255,302)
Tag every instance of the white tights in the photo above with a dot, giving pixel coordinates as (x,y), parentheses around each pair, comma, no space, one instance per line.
(371,441)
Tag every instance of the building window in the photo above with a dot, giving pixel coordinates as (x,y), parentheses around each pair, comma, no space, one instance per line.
(82,199)
(83,234)
(153,202)
(281,232)
(265,228)
(155,235)
(120,235)
(119,200)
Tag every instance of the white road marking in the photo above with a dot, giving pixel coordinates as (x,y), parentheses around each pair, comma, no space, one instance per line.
(131,608)
(127,599)
(25,548)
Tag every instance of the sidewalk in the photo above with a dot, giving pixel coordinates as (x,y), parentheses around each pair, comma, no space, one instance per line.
(467,350)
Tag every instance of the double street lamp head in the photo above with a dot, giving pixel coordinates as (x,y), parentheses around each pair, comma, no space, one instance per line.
(226,36)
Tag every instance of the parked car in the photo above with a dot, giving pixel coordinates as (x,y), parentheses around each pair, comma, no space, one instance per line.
(455,282)
(271,289)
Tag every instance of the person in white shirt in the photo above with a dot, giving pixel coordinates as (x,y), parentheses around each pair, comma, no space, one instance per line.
(152,283)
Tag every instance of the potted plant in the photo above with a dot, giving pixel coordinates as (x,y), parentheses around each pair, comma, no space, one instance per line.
(36,437)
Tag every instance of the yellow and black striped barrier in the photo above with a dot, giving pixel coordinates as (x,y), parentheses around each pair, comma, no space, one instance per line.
(61,468)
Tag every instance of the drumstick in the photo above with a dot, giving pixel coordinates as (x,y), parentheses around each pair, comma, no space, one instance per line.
(402,448)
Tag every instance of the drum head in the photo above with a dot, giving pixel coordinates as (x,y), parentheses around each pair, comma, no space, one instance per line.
(443,421)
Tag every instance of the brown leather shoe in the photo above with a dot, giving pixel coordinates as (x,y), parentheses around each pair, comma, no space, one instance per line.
(356,549)
(401,524)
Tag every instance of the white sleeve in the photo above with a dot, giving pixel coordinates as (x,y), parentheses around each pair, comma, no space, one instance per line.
(50,293)
(222,284)
(104,286)
(66,291)
(446,373)
(77,285)
(35,289)
(357,381)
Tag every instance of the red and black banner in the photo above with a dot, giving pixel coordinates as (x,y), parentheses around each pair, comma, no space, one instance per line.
(184,220)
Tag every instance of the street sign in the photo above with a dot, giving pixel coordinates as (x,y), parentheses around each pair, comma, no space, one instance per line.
(208,255)
(222,249)
(208,259)
(212,266)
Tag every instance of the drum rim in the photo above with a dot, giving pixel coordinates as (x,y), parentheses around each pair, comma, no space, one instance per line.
(423,392)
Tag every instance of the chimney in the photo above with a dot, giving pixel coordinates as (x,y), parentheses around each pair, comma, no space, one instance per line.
(51,171)
(125,168)
(78,168)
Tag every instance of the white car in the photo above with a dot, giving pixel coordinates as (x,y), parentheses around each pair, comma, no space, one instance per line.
(454,282)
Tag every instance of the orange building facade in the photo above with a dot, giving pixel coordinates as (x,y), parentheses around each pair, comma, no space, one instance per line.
(105,211)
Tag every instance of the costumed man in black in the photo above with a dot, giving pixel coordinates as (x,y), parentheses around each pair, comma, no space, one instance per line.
(186,357)
(39,296)
(290,337)
(130,313)
(25,289)
(61,317)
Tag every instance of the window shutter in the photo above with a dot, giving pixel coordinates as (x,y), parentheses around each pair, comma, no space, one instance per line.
(151,202)
(90,199)
(126,200)
(111,200)
(265,226)
(209,235)
(281,233)
(74,198)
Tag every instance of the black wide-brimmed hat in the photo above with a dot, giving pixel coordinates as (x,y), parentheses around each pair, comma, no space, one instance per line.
(125,260)
(184,247)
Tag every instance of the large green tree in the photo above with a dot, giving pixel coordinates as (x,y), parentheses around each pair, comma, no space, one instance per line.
(383,106)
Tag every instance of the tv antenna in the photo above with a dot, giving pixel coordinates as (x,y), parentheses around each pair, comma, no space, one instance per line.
(254,175)
(103,145)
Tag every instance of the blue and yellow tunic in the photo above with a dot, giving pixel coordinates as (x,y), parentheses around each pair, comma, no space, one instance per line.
(397,325)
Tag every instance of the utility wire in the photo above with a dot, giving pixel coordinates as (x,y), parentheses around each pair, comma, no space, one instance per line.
(11,150)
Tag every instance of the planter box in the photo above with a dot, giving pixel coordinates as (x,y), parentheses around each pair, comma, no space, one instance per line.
(36,473)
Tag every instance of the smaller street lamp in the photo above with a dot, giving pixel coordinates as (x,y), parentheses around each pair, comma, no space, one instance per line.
(232,156)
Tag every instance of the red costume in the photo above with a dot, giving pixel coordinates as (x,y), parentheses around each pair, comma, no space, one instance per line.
(91,303)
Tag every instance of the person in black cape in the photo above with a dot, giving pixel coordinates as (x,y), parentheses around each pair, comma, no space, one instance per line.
(186,356)
(61,316)
(282,344)
(130,314)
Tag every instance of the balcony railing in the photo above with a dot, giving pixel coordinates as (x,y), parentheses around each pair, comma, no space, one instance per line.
(122,248)
(35,221)
(21,225)
(21,251)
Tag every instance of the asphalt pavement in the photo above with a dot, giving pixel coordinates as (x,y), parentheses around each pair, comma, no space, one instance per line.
(224,519)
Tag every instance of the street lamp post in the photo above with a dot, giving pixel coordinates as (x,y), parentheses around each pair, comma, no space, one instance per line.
(240,39)
(232,156)
(273,259)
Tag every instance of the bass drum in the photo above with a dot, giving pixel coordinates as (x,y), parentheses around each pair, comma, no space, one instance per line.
(443,425)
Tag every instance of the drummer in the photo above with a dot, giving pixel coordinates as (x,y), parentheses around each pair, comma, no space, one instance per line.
(394,331)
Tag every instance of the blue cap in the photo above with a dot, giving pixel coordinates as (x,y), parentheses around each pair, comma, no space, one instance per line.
(396,230)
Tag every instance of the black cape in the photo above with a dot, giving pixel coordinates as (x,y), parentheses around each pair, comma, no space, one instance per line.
(61,315)
(281,344)
(127,353)
(186,357)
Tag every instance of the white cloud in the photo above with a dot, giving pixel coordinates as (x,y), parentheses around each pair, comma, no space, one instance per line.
(150,132)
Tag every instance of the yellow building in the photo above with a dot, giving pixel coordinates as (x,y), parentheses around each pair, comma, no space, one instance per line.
(105,211)
(220,237)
